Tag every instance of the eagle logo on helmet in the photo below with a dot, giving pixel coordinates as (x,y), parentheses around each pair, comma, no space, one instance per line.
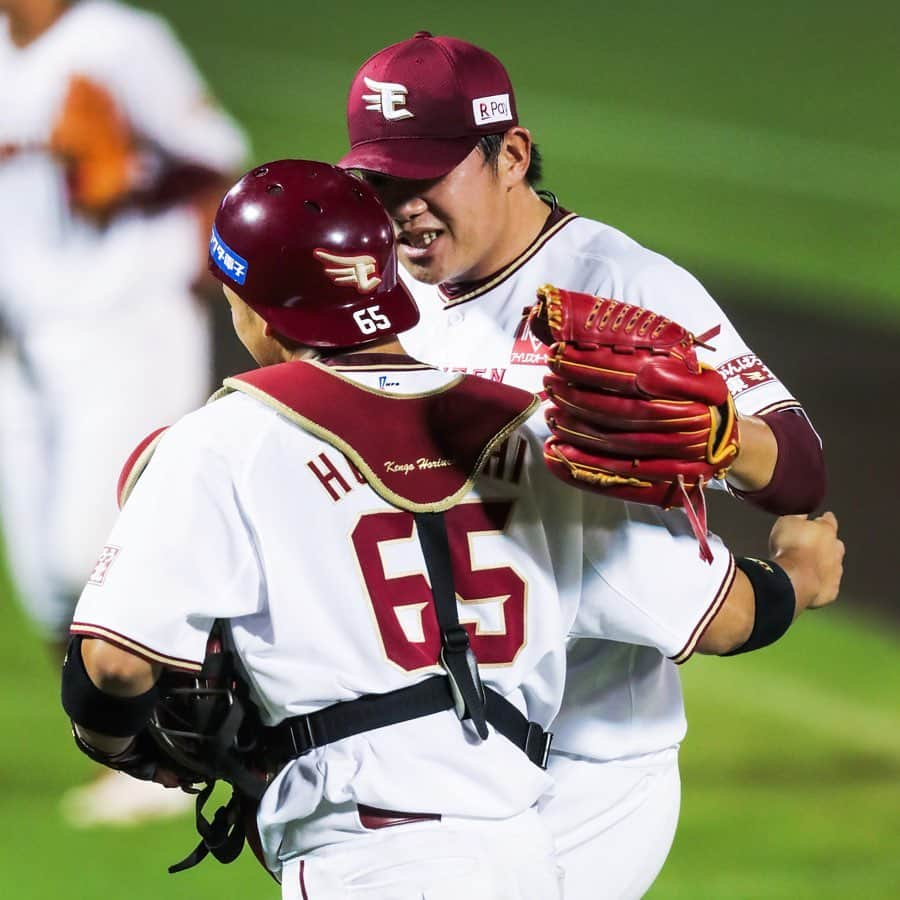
(360,272)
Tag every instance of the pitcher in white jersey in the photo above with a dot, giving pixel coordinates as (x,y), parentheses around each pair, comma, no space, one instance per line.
(367,526)
(112,158)
(457,171)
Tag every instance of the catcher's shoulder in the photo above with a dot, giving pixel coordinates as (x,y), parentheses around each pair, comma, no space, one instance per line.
(227,426)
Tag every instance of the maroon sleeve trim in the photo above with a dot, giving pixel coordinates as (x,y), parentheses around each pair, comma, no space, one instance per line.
(136,463)
(780,406)
(131,646)
(799,482)
(687,651)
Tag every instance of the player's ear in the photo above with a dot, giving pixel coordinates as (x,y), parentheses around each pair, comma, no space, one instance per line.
(515,155)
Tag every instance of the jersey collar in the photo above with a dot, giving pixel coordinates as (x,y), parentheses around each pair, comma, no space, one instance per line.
(453,293)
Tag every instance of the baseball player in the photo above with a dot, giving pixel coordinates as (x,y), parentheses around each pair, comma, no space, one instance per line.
(111,153)
(431,565)
(433,127)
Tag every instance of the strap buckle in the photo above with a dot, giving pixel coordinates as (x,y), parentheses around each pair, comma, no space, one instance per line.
(466,686)
(455,639)
(537,744)
(301,741)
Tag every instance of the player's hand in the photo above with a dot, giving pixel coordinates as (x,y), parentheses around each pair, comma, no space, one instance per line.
(811,553)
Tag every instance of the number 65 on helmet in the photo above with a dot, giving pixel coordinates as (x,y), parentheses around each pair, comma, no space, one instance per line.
(311,250)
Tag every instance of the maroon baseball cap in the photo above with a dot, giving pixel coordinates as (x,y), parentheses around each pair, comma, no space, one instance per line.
(417,109)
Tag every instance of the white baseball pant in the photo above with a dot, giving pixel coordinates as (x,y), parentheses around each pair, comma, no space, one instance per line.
(475,859)
(613,822)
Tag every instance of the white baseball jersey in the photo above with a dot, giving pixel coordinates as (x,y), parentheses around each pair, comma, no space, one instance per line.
(53,261)
(243,515)
(93,309)
(623,696)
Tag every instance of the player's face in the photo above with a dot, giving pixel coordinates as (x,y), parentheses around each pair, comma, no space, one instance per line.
(455,228)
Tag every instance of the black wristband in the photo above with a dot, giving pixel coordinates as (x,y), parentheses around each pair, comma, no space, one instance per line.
(773,594)
(96,710)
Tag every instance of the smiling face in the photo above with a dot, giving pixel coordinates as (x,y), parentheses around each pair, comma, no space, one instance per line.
(467,224)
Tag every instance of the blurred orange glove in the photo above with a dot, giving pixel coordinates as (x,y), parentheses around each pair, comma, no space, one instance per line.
(96,145)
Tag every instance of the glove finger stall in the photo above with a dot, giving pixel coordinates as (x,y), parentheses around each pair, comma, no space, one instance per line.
(620,412)
(638,444)
(670,379)
(637,481)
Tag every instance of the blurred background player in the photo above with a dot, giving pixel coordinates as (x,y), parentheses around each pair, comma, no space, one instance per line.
(433,127)
(111,155)
(280,485)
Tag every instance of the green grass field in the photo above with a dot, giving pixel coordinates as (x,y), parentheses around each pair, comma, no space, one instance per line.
(790,782)
(757,144)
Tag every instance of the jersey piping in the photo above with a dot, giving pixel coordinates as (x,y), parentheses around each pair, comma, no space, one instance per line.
(512,268)
(687,650)
(779,406)
(113,637)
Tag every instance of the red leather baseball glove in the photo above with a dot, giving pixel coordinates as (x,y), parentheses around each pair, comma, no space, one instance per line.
(633,413)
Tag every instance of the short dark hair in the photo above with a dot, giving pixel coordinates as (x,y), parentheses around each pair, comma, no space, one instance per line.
(490,146)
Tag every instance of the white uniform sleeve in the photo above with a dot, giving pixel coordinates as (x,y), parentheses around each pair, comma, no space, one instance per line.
(644,583)
(668,289)
(179,556)
(165,97)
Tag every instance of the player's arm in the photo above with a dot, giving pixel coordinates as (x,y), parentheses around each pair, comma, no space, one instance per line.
(643,583)
(193,143)
(117,673)
(754,465)
(158,595)
(109,694)
(780,465)
(766,596)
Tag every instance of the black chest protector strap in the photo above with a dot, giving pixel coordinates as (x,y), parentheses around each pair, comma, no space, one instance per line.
(461,689)
(457,657)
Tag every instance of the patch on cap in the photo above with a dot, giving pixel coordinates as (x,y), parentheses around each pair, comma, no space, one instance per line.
(496,108)
(234,266)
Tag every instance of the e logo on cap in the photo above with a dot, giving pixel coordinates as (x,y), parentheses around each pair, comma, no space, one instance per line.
(390,99)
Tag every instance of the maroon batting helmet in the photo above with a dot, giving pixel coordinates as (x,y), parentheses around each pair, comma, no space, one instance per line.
(311,250)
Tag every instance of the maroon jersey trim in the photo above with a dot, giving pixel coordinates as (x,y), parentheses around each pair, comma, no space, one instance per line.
(777,407)
(687,651)
(303,893)
(372,362)
(138,649)
(427,449)
(510,270)
(136,463)
(374,818)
